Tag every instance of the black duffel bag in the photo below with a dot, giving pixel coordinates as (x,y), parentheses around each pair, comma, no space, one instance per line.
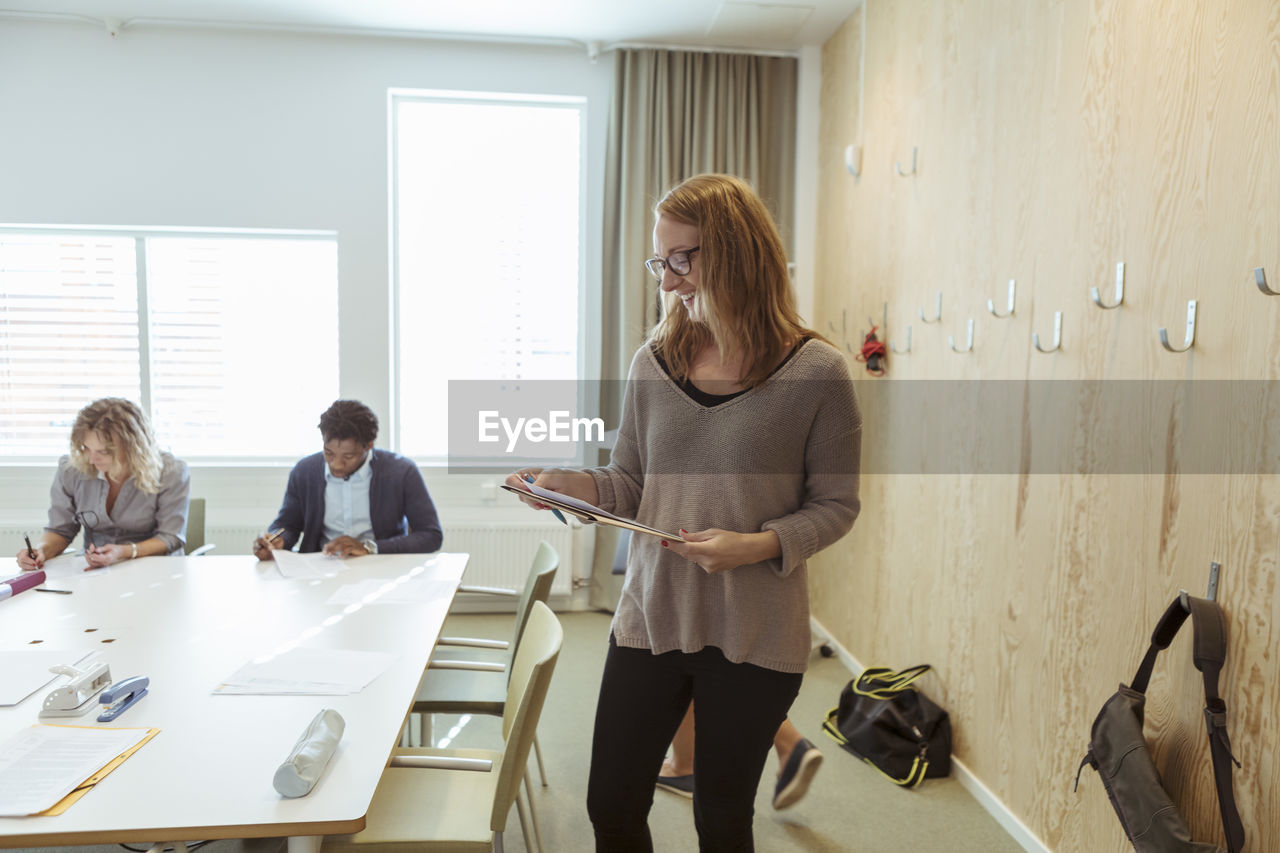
(884,720)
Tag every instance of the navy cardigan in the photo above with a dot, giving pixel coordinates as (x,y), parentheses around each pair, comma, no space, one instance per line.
(404,518)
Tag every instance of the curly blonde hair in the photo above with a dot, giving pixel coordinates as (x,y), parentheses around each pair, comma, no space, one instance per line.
(126,431)
(749,307)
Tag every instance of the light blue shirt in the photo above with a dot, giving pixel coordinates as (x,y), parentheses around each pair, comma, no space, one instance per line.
(346,504)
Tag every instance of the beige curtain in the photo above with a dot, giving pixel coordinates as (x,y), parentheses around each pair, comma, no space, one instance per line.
(675,114)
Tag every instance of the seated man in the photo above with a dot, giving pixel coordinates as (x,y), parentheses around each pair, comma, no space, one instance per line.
(350,499)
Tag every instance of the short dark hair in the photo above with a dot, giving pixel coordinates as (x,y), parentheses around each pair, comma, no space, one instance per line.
(349,419)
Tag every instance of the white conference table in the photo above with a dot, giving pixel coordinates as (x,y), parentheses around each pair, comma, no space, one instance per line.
(189,622)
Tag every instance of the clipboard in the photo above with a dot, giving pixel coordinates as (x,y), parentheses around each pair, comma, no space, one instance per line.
(589,514)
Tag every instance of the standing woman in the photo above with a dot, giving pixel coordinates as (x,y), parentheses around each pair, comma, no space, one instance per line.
(739,429)
(130,497)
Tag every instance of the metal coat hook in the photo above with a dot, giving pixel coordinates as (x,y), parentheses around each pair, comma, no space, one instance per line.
(1211,593)
(1191,330)
(1057,334)
(937,314)
(1096,295)
(843,330)
(884,320)
(853,159)
(1260,276)
(969,346)
(898,164)
(991,303)
(893,347)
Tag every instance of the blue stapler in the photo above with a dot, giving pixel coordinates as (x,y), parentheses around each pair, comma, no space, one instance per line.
(120,696)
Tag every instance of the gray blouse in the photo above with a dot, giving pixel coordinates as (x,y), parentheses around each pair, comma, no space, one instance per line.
(78,501)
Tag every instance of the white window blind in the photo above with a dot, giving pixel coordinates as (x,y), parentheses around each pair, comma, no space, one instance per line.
(487,202)
(68,334)
(244,343)
(239,355)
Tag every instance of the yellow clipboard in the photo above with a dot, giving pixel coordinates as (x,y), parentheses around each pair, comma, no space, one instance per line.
(87,785)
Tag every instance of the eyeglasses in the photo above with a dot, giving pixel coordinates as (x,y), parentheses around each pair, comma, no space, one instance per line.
(88,520)
(678,262)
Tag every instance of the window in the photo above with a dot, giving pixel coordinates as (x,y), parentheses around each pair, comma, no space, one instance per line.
(214,334)
(487,199)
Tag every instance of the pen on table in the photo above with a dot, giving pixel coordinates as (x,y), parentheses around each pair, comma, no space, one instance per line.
(528,478)
(49,589)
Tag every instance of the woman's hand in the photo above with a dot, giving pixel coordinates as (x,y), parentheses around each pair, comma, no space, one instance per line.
(566,481)
(101,556)
(716,550)
(27,564)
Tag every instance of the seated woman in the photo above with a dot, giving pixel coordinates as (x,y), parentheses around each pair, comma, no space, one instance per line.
(130,497)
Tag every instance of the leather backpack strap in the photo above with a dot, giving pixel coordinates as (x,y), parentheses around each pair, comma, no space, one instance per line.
(1210,651)
(1166,629)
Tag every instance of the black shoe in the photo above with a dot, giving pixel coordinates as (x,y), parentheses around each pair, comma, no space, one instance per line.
(682,785)
(797,773)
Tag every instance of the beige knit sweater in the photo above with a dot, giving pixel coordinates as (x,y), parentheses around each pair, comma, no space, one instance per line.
(781,457)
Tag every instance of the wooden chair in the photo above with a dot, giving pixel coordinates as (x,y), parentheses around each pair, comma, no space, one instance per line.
(459,800)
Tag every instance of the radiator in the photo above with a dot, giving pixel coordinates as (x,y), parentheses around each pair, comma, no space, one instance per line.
(500,551)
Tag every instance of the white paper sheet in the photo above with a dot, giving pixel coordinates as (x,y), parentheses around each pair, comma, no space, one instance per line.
(42,764)
(24,671)
(294,565)
(321,672)
(66,565)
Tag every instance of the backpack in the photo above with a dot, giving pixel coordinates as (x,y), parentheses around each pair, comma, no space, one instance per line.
(892,726)
(1118,751)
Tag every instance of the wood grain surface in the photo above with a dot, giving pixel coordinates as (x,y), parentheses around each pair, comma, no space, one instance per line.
(1055,140)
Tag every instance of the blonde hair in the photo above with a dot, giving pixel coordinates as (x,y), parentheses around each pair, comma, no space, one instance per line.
(748,307)
(126,431)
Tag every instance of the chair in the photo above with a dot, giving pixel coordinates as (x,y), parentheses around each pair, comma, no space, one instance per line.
(458,800)
(479,683)
(196,546)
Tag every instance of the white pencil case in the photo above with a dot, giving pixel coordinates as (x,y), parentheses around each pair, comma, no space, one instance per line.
(299,772)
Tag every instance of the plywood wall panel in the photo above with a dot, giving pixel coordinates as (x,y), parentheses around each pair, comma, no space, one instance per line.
(1055,140)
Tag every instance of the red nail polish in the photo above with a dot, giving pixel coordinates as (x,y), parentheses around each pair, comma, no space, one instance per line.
(682,530)
(664,543)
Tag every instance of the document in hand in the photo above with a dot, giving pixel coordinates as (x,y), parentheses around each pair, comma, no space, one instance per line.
(587,513)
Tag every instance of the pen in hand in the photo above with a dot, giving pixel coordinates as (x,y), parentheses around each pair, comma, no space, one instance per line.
(528,478)
(30,551)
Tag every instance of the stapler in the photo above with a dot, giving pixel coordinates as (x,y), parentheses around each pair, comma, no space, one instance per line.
(76,696)
(120,696)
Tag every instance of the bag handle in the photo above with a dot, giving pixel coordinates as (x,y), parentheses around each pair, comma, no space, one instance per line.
(1209,643)
(880,682)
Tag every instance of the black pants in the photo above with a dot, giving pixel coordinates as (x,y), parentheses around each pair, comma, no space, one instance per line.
(643,696)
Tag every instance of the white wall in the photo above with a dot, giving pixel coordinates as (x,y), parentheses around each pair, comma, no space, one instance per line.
(208,128)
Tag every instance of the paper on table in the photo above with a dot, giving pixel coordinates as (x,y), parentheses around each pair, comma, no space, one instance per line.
(294,565)
(42,764)
(65,565)
(324,672)
(24,671)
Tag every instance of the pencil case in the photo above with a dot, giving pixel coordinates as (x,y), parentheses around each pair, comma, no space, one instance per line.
(299,772)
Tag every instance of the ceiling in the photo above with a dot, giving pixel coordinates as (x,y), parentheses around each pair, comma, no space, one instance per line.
(779,25)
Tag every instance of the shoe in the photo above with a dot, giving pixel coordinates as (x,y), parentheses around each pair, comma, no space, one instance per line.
(793,782)
(681,785)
